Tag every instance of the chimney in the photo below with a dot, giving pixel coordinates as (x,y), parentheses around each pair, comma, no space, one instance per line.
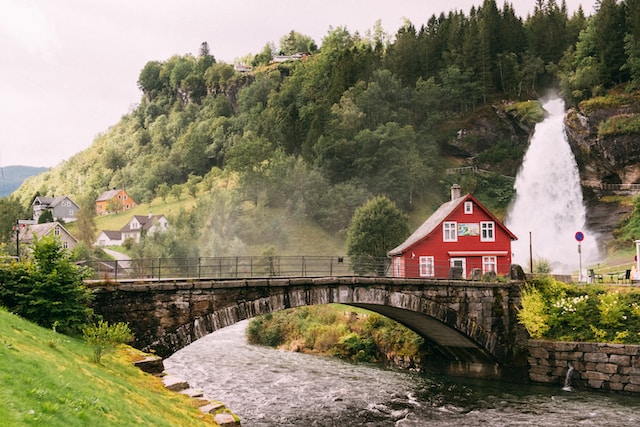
(455,192)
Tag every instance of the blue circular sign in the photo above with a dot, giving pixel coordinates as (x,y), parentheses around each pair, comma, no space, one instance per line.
(579,236)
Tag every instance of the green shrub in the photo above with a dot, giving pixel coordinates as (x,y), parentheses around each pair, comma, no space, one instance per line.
(559,311)
(627,124)
(533,314)
(47,288)
(103,337)
(529,112)
(604,102)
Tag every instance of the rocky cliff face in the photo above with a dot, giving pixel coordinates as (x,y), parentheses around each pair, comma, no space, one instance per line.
(612,159)
(608,165)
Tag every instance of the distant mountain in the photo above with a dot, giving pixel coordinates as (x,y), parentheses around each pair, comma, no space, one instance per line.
(11,177)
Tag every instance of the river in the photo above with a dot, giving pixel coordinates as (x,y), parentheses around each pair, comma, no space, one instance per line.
(268,387)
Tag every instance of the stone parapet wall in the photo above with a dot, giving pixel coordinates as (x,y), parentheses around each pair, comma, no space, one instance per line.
(599,366)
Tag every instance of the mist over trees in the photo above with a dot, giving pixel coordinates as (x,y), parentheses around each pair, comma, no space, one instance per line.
(357,117)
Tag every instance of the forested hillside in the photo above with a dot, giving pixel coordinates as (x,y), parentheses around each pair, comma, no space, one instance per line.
(320,134)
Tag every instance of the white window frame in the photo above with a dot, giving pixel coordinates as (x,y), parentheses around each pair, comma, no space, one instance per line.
(398,262)
(450,231)
(487,231)
(427,266)
(489,263)
(468,207)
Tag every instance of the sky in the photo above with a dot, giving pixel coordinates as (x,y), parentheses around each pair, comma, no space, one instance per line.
(68,68)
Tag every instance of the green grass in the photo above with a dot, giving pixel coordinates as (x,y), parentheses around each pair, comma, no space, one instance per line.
(48,379)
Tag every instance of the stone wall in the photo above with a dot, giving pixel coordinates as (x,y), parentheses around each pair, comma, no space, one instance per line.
(599,366)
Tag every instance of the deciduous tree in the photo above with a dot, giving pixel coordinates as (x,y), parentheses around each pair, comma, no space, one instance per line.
(376,227)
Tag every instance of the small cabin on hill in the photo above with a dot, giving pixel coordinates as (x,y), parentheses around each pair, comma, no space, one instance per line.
(62,208)
(114,201)
(461,240)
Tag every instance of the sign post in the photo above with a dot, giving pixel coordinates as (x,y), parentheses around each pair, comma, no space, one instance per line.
(637,260)
(579,237)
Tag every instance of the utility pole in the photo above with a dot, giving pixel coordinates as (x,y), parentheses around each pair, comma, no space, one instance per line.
(17,228)
(530,255)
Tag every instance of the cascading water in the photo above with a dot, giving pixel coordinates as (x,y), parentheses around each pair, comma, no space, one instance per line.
(548,205)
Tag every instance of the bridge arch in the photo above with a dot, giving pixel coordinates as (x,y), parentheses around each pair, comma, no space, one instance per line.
(471,326)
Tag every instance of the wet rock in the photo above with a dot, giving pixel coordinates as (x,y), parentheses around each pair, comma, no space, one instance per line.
(150,365)
(212,407)
(174,383)
(225,419)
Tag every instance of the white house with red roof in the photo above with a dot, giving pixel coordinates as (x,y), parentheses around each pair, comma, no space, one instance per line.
(462,239)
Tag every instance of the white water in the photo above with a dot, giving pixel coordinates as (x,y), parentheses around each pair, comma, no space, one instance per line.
(267,387)
(549,205)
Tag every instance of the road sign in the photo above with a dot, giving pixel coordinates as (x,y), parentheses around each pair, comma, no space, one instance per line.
(579,236)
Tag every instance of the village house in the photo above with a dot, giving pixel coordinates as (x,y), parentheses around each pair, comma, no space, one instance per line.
(137,226)
(141,225)
(62,208)
(29,232)
(109,238)
(114,201)
(462,239)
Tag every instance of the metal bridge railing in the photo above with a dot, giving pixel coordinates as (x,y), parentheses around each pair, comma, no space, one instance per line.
(237,267)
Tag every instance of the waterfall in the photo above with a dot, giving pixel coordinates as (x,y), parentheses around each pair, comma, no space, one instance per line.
(567,378)
(548,210)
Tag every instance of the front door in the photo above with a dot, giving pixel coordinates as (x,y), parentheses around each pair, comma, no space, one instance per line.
(462,263)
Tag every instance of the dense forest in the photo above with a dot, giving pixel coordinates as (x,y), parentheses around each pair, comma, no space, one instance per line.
(333,126)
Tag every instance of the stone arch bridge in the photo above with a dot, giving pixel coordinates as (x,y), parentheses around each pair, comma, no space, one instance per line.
(470,326)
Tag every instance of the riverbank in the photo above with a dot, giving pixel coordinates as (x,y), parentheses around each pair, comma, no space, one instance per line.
(49,379)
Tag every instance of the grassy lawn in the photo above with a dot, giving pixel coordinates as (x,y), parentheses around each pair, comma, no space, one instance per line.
(48,379)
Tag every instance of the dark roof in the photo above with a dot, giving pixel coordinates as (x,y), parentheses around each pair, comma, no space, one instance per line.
(434,221)
(112,234)
(52,201)
(107,195)
(146,222)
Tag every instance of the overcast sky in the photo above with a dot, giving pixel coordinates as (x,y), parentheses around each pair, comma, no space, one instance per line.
(68,68)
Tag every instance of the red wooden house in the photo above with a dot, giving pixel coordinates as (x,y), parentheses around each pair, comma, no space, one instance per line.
(461,234)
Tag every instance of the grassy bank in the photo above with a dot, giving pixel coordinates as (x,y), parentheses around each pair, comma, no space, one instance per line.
(48,379)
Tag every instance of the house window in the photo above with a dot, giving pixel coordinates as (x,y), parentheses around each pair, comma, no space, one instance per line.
(65,244)
(426,266)
(450,231)
(468,207)
(487,231)
(488,264)
(56,231)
